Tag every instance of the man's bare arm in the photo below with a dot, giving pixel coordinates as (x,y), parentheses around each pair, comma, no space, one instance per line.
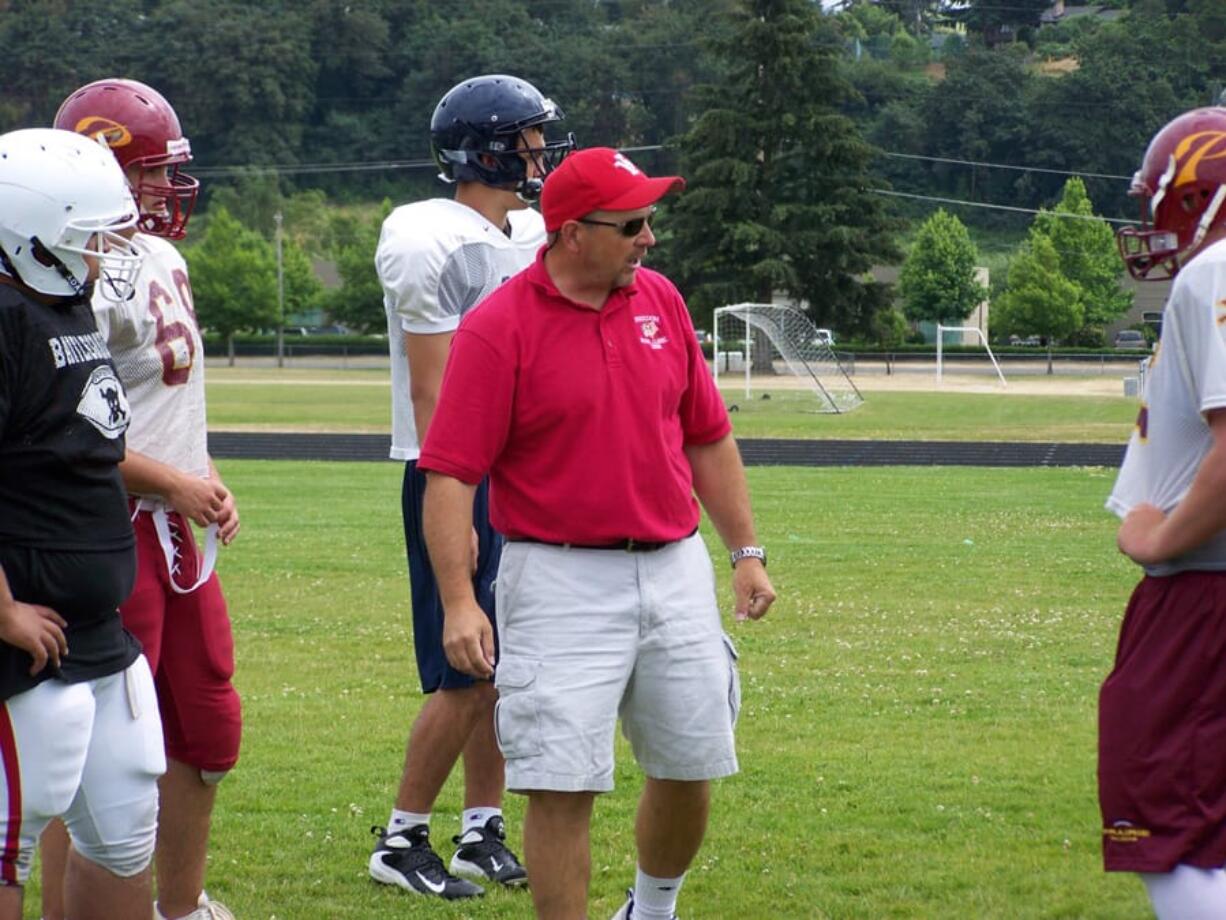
(719,483)
(447,514)
(427,356)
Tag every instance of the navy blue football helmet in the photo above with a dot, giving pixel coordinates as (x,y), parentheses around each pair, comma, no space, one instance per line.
(475,130)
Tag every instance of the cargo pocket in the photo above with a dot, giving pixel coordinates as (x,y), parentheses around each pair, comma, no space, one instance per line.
(517,717)
(734,678)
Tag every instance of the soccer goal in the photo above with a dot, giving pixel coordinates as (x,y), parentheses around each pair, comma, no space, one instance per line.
(964,330)
(777,352)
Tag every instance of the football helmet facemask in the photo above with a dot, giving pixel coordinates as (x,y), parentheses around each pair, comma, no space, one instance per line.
(1182,187)
(476,134)
(62,198)
(142,130)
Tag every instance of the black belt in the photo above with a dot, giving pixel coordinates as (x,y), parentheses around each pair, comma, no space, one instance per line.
(629,545)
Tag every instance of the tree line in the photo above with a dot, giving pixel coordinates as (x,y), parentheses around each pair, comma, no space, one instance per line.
(815,142)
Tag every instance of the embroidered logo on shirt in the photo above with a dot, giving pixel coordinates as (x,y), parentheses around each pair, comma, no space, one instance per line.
(649,332)
(104,404)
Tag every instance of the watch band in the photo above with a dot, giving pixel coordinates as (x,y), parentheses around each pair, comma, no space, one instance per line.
(748,552)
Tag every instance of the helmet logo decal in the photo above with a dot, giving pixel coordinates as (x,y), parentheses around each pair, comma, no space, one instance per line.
(1203,145)
(622,162)
(111,133)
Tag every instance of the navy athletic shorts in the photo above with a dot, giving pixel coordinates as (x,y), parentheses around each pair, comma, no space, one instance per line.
(432,663)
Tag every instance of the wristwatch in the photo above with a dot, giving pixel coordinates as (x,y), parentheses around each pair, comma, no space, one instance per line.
(748,552)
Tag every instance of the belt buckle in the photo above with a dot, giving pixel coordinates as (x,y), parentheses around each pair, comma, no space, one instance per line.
(630,545)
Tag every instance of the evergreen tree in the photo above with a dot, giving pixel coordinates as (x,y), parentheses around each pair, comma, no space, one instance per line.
(779,195)
(938,282)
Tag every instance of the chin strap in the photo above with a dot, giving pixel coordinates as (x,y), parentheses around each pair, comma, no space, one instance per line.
(43,254)
(1206,219)
(7,265)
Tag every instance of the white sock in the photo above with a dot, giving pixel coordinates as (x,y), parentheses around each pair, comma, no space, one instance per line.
(403,820)
(655,898)
(475,818)
(1187,893)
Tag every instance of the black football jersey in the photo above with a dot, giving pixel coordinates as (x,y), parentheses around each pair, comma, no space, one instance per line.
(65,533)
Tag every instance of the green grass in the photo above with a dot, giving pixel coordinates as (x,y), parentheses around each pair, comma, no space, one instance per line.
(917,739)
(301,400)
(937,417)
(360,400)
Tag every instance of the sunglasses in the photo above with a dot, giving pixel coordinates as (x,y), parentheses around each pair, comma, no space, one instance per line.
(627,228)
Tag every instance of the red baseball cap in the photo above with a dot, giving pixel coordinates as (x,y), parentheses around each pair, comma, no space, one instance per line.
(599,179)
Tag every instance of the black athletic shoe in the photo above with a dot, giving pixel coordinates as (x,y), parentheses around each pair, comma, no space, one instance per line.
(405,858)
(482,853)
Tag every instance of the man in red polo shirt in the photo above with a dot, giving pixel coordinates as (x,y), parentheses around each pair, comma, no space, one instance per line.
(580,389)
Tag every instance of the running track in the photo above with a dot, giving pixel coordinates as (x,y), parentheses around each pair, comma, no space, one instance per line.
(756,451)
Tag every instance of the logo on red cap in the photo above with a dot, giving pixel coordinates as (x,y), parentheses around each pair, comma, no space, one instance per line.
(620,159)
(599,179)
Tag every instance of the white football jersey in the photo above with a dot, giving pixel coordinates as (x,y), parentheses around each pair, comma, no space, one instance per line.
(437,259)
(1186,378)
(159,356)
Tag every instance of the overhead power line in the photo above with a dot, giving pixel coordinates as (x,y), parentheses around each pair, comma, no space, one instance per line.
(305,168)
(359,166)
(353,166)
(1039,169)
(998,207)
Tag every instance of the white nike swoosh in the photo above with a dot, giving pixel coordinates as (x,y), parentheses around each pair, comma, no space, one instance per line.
(495,863)
(436,887)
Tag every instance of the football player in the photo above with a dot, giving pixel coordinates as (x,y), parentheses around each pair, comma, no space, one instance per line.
(176,609)
(436,260)
(79,733)
(1162,710)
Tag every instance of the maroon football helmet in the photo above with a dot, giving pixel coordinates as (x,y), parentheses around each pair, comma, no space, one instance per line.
(142,130)
(1182,187)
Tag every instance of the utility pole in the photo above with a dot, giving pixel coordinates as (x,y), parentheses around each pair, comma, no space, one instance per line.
(280,296)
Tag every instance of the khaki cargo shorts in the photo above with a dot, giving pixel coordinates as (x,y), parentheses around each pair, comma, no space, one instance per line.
(591,635)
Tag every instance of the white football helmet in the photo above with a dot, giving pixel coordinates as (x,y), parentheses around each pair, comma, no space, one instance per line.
(64,197)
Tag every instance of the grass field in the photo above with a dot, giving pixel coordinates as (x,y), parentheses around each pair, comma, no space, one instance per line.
(360,400)
(917,739)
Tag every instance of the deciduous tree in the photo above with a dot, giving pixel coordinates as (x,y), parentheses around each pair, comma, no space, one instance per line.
(1088,256)
(234,278)
(1040,300)
(938,282)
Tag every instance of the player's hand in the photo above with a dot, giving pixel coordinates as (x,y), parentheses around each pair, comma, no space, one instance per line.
(752,589)
(1138,536)
(468,640)
(35,629)
(198,500)
(227,518)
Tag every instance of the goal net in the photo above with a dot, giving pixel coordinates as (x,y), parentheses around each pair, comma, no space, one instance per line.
(965,331)
(775,352)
